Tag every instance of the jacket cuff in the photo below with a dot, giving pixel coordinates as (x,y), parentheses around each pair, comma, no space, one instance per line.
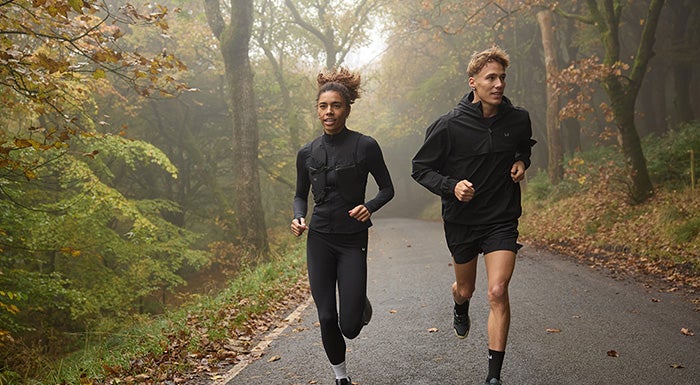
(448,186)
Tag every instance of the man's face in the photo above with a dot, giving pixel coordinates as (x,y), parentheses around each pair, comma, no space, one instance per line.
(332,112)
(489,84)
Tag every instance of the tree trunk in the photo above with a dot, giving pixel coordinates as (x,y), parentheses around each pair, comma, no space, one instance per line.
(623,90)
(641,187)
(235,41)
(555,168)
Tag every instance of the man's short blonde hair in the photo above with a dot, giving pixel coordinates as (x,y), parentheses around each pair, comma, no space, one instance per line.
(480,59)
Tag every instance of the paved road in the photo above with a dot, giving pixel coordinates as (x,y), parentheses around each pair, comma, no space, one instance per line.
(409,280)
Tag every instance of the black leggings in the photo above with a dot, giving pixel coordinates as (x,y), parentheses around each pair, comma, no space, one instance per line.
(341,259)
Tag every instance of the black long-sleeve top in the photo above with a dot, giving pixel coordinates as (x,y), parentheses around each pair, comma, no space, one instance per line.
(462,144)
(331,215)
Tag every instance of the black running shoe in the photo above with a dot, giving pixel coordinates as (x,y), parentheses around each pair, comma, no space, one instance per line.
(367,312)
(494,381)
(343,381)
(461,323)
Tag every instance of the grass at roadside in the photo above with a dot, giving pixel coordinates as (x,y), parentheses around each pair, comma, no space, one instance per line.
(197,336)
(658,240)
(589,215)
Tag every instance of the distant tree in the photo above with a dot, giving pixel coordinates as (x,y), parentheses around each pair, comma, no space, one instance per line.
(571,127)
(338,25)
(234,39)
(685,16)
(282,47)
(555,165)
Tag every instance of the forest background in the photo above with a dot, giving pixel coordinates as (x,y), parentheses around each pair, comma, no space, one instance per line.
(147,150)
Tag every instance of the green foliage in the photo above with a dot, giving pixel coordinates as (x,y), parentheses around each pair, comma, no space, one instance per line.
(588,212)
(92,252)
(687,231)
(203,321)
(668,161)
(134,154)
(538,187)
(595,169)
(600,167)
(668,157)
(681,223)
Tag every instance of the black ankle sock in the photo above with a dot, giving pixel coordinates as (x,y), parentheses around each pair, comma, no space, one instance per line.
(463,308)
(495,364)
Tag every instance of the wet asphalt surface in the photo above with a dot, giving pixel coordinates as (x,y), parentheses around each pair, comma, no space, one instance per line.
(570,325)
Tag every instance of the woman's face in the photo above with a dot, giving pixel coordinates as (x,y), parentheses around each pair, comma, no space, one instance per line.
(332,111)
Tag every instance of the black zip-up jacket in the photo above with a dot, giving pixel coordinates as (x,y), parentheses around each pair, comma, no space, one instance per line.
(342,150)
(462,144)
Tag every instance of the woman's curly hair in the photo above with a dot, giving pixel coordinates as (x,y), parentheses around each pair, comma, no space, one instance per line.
(341,80)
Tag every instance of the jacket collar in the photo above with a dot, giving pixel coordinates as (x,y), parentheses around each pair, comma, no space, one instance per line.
(467,106)
(337,138)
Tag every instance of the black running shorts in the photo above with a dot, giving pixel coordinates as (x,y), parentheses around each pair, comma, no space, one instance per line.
(467,241)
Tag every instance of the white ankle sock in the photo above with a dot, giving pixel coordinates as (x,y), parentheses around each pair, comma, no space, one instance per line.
(340,370)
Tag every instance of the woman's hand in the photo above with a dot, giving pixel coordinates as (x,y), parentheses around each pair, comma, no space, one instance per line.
(298,226)
(360,213)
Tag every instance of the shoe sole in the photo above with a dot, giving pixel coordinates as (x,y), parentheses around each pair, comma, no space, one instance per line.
(461,337)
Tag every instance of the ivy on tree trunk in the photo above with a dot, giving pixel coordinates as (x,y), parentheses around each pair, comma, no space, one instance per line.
(622,90)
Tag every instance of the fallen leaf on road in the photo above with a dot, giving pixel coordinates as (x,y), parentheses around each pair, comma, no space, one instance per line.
(313,382)
(612,353)
(552,330)
(432,330)
(687,332)
(274,358)
(677,366)
(392,311)
(655,300)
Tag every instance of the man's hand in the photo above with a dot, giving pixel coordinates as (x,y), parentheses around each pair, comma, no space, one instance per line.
(464,190)
(517,172)
(298,226)
(360,213)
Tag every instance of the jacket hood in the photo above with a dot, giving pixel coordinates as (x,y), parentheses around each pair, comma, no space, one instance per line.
(466,106)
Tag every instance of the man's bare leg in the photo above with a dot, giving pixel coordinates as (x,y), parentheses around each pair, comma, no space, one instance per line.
(499,270)
(462,291)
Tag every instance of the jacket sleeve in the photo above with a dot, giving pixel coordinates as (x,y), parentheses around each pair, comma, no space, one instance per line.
(301,197)
(524,150)
(431,158)
(380,173)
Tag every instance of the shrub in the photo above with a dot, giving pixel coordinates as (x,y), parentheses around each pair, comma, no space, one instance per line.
(668,157)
